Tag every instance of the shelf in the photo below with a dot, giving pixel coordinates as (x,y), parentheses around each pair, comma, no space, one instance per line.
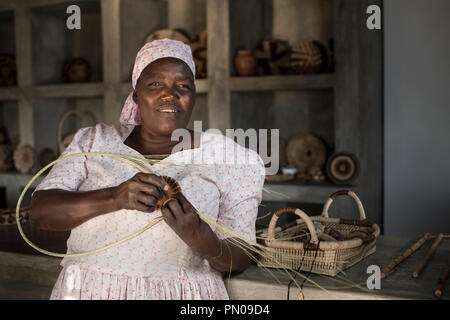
(300,192)
(201,85)
(74,90)
(9,93)
(288,82)
(7,5)
(65,90)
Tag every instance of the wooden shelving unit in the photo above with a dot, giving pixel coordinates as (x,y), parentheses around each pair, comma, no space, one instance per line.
(9,93)
(288,82)
(354,88)
(65,90)
(75,90)
(299,192)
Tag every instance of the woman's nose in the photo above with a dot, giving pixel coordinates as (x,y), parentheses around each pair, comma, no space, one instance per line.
(169,94)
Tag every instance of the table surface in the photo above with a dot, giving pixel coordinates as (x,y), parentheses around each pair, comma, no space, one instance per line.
(259,283)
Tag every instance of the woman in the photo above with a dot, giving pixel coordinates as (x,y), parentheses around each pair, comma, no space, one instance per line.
(102,200)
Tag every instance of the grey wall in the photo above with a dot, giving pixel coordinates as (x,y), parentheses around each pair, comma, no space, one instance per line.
(417,115)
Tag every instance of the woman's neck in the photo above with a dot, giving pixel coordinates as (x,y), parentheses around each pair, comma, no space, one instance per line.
(149,144)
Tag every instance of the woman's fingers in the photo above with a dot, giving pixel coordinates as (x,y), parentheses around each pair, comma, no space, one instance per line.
(142,207)
(149,189)
(176,209)
(186,205)
(168,216)
(184,214)
(147,192)
(149,201)
(153,179)
(129,193)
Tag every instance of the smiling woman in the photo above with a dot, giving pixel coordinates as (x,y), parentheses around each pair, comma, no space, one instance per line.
(165,94)
(101,200)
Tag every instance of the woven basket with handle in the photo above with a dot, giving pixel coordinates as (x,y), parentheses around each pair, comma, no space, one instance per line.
(319,256)
(63,143)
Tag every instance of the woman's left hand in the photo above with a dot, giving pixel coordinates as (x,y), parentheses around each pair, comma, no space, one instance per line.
(183,218)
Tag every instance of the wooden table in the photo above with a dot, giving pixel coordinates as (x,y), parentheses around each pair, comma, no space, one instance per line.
(257,283)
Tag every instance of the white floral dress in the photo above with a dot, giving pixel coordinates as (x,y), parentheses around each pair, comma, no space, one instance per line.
(156,264)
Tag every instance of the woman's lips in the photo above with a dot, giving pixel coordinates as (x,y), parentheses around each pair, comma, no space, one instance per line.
(168,109)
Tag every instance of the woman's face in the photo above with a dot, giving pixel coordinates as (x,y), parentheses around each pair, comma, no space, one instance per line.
(165,94)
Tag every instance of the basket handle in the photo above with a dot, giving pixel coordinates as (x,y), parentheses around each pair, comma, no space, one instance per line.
(362,214)
(298,212)
(68,113)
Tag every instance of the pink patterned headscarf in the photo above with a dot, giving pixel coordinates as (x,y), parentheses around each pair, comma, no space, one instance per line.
(157,49)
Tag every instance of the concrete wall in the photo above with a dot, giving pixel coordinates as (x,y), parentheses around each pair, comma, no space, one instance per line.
(417,114)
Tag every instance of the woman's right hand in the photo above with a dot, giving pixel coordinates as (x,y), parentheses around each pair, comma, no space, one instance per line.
(141,192)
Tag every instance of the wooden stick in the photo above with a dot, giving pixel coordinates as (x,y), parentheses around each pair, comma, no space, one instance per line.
(405,255)
(445,236)
(441,283)
(428,256)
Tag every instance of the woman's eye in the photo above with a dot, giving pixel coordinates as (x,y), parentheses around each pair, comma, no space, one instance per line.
(154,84)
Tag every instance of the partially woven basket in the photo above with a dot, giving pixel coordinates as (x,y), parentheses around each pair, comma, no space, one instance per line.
(322,257)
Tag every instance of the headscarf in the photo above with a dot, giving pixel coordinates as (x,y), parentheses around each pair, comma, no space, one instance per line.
(157,49)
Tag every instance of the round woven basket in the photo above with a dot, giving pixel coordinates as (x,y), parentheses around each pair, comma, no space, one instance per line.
(173,34)
(272,58)
(23,158)
(6,157)
(76,70)
(8,71)
(199,53)
(307,57)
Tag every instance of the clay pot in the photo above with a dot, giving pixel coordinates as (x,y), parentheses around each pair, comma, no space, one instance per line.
(76,70)
(8,72)
(245,63)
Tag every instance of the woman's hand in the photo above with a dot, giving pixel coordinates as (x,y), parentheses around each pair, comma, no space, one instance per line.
(141,192)
(182,217)
(222,255)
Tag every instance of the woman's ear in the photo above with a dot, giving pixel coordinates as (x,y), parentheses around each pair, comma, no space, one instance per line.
(135,96)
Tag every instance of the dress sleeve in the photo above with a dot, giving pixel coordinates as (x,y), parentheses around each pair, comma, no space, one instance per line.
(69,174)
(240,200)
